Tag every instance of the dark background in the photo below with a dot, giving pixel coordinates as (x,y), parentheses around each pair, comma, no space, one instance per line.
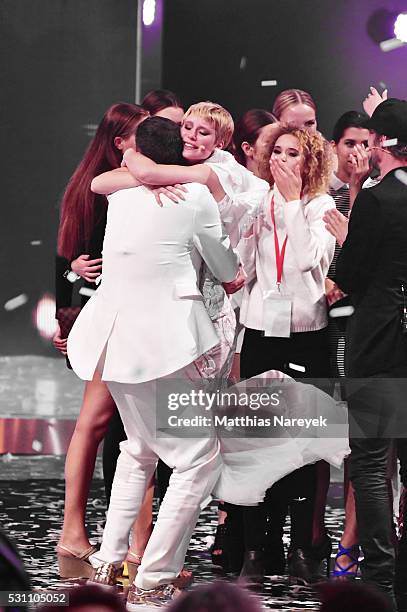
(63,62)
(321,46)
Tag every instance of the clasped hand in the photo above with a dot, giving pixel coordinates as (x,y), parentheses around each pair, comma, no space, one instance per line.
(237,283)
(89,269)
(174,192)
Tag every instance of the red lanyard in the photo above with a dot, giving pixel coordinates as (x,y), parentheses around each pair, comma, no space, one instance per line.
(279,254)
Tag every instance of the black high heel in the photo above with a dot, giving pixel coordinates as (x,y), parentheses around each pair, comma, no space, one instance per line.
(305,565)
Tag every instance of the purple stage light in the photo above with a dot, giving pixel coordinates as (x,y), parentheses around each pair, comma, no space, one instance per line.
(148,12)
(400,27)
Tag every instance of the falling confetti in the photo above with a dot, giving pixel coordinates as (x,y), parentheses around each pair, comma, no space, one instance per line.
(268,83)
(16,302)
(342,311)
(401,175)
(391,142)
(37,446)
(295,366)
(390,44)
(86,291)
(36,242)
(90,128)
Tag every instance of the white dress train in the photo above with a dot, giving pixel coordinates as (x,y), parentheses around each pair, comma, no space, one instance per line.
(251,465)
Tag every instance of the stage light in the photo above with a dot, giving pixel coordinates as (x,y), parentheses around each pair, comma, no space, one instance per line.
(148,12)
(388,29)
(400,27)
(44,317)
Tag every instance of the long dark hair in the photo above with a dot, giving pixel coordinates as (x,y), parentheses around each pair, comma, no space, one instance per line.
(158,99)
(81,209)
(247,130)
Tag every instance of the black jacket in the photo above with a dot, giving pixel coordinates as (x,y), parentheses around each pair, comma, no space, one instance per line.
(371,267)
(64,288)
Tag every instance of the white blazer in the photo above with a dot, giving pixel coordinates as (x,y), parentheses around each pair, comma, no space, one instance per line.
(148,312)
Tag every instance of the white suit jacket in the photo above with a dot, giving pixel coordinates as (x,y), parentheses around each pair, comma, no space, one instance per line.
(148,312)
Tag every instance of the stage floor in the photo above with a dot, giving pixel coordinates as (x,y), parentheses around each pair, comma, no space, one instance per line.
(31,514)
(39,402)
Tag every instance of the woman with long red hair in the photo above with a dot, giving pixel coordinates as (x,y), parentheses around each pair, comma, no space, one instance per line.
(80,239)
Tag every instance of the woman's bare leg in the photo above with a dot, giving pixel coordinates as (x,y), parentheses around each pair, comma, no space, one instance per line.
(96,411)
(97,408)
(143,526)
(350,536)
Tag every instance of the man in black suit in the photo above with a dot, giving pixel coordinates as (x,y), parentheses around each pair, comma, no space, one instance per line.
(372,268)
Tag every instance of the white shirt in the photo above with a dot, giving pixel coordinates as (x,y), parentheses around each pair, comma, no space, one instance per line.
(336,183)
(244,192)
(236,211)
(309,251)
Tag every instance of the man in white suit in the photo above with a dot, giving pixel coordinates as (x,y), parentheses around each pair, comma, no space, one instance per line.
(147,322)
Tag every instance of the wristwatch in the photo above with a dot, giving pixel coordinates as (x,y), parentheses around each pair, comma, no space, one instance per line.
(71,276)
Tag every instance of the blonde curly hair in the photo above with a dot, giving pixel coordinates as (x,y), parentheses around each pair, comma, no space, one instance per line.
(317,157)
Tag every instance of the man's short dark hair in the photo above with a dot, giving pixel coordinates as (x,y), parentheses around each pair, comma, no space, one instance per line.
(348,120)
(160,140)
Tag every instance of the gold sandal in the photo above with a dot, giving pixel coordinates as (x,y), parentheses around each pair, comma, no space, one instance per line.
(105,574)
(184,579)
(74,565)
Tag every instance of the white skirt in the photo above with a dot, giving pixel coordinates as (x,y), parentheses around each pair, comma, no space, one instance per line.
(261,445)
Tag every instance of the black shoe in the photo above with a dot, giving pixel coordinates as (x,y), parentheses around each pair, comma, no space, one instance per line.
(253,568)
(306,565)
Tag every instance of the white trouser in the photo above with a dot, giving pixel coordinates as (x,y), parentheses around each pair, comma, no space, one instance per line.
(196,463)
